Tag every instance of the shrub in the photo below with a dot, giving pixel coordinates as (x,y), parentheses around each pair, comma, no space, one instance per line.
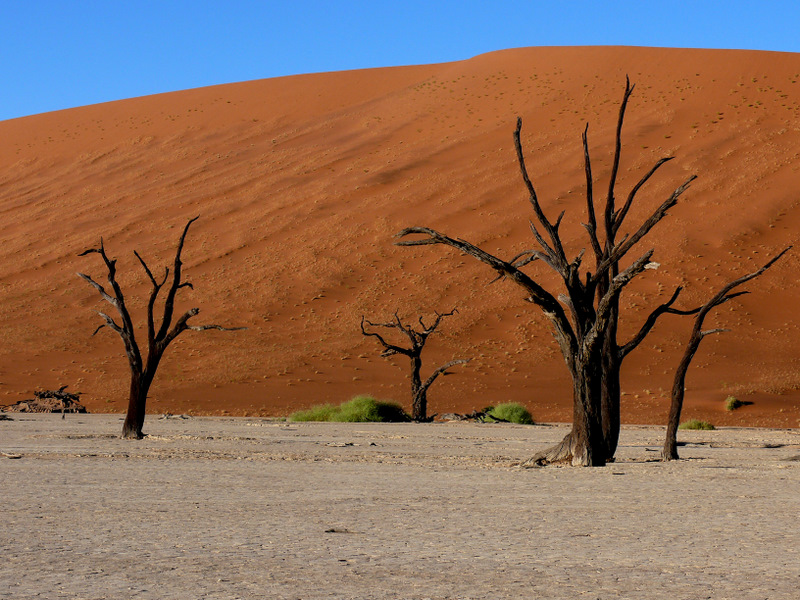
(367,408)
(696,424)
(732,403)
(323,412)
(358,410)
(512,412)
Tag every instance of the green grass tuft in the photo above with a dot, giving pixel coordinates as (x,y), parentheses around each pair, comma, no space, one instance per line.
(732,403)
(696,424)
(323,412)
(360,409)
(512,412)
(367,408)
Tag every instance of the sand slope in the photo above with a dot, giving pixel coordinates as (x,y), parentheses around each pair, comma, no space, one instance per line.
(302,181)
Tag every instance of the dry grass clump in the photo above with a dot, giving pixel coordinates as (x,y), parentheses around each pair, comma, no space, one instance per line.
(696,424)
(732,403)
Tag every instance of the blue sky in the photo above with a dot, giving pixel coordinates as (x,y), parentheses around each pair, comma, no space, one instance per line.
(63,53)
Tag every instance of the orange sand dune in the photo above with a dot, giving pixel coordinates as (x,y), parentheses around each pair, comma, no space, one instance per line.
(302,181)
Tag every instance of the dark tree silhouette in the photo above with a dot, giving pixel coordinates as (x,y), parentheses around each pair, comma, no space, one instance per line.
(670,450)
(585,317)
(418,338)
(143,369)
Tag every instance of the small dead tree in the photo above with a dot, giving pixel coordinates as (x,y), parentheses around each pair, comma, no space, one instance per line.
(418,338)
(143,368)
(670,450)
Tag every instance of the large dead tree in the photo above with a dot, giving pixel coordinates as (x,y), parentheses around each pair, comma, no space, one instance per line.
(670,450)
(584,317)
(143,368)
(417,338)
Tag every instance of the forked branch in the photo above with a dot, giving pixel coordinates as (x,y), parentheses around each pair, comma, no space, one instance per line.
(388,349)
(443,370)
(169,302)
(629,242)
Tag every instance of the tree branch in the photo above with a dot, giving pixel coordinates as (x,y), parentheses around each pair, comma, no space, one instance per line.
(151,330)
(537,294)
(556,252)
(217,327)
(591,226)
(713,331)
(105,295)
(607,302)
(126,331)
(622,249)
(389,349)
(169,302)
(648,325)
(620,217)
(442,371)
(529,256)
(610,200)
(439,316)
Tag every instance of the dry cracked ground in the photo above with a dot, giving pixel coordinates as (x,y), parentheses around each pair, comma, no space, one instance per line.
(251,508)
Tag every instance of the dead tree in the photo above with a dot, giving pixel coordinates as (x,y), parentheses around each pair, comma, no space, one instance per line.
(143,368)
(613,353)
(670,450)
(585,316)
(418,338)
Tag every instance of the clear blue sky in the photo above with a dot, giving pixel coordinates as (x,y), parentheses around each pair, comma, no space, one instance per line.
(62,53)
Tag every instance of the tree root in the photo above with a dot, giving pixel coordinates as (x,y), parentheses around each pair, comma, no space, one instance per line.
(566,451)
(560,453)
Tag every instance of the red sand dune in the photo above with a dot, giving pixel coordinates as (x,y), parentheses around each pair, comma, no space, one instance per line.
(302,181)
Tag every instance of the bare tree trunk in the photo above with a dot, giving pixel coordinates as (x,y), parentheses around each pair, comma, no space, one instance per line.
(585,445)
(670,450)
(610,390)
(588,442)
(419,395)
(137,403)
